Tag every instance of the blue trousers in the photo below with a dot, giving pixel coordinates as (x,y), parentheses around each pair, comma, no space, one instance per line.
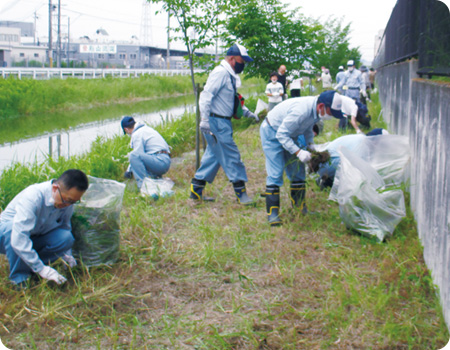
(221,151)
(329,169)
(353,93)
(278,159)
(148,165)
(49,247)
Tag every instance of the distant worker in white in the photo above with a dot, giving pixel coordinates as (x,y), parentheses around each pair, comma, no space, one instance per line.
(352,82)
(274,91)
(150,156)
(339,76)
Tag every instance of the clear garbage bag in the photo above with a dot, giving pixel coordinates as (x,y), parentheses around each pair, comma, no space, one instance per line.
(157,187)
(260,106)
(96,222)
(390,156)
(365,204)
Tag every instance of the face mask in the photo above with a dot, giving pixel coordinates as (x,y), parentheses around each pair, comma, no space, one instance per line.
(239,67)
(351,69)
(274,81)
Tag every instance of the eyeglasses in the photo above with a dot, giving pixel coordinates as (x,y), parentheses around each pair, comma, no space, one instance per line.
(66,201)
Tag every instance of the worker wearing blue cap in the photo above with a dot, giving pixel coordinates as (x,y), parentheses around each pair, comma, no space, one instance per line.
(217,106)
(279,138)
(151,154)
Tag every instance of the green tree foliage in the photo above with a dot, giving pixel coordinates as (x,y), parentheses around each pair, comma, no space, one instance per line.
(272,35)
(331,40)
(199,22)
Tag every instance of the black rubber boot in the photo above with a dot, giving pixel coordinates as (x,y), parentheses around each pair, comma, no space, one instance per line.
(298,191)
(241,193)
(273,205)
(197,187)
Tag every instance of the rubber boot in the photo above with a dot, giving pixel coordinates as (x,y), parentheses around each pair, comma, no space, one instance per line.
(241,193)
(197,187)
(273,205)
(298,191)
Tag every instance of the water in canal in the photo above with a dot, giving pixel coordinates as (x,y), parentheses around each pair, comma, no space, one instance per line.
(33,138)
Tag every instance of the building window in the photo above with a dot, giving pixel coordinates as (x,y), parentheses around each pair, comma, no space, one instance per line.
(132,56)
(22,54)
(122,56)
(101,56)
(36,55)
(111,55)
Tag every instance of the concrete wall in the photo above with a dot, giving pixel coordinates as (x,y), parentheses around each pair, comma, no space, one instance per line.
(420,109)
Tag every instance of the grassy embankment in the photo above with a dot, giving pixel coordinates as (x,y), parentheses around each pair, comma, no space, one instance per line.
(215,276)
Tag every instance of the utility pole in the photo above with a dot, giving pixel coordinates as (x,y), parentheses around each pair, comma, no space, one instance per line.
(168,39)
(50,53)
(35,18)
(68,41)
(58,58)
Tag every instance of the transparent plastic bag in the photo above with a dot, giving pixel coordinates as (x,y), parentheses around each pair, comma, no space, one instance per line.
(365,205)
(390,156)
(157,187)
(260,106)
(96,222)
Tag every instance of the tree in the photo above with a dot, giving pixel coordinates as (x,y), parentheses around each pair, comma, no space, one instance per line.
(199,23)
(331,45)
(272,35)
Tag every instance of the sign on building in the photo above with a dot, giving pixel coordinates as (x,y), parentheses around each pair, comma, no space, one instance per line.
(97,48)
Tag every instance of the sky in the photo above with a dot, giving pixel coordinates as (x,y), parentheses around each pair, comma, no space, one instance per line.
(122,19)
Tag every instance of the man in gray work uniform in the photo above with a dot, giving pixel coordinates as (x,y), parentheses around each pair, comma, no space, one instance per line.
(217,106)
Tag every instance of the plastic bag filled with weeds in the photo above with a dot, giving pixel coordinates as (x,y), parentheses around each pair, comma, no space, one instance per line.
(156,188)
(96,222)
(365,204)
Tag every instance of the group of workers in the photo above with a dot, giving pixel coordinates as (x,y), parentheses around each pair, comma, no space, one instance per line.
(35,227)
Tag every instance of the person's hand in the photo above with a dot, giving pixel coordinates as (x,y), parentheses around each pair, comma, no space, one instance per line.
(359,131)
(128,175)
(52,275)
(363,92)
(204,126)
(312,147)
(253,115)
(304,156)
(69,259)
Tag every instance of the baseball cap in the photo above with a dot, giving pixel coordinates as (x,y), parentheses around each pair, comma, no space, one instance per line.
(127,122)
(350,63)
(333,100)
(239,50)
(341,67)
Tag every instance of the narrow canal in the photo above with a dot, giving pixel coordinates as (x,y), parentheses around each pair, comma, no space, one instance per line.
(34,138)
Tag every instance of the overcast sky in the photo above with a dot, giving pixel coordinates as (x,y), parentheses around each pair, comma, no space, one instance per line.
(122,19)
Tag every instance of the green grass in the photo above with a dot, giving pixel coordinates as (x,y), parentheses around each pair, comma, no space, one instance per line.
(28,96)
(216,276)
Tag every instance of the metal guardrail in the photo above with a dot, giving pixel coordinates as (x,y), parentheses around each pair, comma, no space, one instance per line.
(86,73)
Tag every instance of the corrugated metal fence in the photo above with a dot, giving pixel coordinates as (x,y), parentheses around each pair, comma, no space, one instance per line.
(419,29)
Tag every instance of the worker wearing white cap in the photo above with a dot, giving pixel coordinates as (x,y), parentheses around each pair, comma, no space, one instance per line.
(354,82)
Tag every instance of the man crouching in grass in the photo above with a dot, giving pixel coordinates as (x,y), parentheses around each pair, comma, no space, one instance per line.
(35,227)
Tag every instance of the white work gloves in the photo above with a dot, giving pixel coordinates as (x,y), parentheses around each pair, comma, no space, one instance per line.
(363,92)
(204,126)
(69,259)
(250,114)
(304,156)
(52,275)
(359,131)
